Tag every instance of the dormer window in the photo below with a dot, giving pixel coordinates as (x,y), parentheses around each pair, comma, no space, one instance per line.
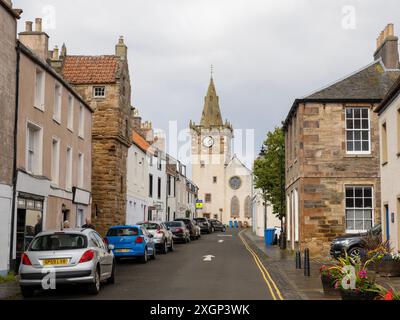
(99,92)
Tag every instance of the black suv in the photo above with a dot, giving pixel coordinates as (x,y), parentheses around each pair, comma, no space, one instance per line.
(218,225)
(191,226)
(352,243)
(204,224)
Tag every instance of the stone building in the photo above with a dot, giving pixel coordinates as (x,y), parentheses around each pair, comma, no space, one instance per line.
(225,184)
(104,83)
(8,67)
(389,124)
(332,154)
(53,144)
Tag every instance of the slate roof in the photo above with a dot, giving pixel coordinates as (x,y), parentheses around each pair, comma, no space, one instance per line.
(91,69)
(370,84)
(390,97)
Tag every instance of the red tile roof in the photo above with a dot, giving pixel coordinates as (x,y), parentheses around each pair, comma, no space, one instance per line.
(139,141)
(90,69)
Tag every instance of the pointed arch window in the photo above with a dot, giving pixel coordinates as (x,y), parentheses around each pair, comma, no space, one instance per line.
(235,207)
(247,207)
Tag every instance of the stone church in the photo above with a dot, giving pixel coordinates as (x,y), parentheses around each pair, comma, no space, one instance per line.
(225,183)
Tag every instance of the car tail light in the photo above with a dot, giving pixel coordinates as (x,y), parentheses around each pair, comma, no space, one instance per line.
(139,240)
(25,260)
(87,256)
(159,231)
(179,230)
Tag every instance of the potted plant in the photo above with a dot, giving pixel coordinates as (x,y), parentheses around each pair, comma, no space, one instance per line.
(389,265)
(329,275)
(374,248)
(388,294)
(354,283)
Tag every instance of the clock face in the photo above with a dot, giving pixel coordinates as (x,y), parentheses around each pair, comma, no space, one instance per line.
(235,182)
(208,142)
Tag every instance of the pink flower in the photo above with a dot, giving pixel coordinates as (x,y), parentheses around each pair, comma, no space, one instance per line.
(362,274)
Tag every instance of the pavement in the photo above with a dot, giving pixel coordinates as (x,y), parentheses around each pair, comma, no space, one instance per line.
(9,290)
(232,274)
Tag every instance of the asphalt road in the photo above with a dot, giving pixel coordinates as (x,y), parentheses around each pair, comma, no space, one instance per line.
(182,275)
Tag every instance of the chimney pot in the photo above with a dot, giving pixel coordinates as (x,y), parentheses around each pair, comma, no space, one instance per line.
(28,26)
(390,28)
(387,49)
(38,24)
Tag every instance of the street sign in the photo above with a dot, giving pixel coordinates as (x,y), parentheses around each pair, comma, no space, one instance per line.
(199,204)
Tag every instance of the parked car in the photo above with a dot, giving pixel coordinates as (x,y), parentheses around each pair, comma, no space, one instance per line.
(190,224)
(196,225)
(179,231)
(76,255)
(204,225)
(162,237)
(352,243)
(131,242)
(218,225)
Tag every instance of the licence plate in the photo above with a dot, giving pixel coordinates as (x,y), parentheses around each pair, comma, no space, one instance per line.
(55,262)
(122,250)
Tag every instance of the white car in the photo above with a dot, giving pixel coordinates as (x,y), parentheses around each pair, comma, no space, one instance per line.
(72,255)
(162,236)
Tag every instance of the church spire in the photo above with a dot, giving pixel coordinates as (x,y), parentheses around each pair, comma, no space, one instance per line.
(211,113)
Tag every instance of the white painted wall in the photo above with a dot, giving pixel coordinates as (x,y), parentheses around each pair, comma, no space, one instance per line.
(390,173)
(137,185)
(5,227)
(259,213)
(158,172)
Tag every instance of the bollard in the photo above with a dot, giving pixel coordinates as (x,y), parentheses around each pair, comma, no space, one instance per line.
(298,259)
(306,263)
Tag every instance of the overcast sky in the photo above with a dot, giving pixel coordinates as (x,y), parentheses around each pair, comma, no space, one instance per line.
(265,53)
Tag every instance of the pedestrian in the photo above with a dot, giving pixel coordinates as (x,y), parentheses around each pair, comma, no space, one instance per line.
(66,224)
(88,225)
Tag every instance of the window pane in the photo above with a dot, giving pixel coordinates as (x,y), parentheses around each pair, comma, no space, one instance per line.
(357,124)
(365,146)
(368,214)
(367,224)
(349,192)
(350,203)
(359,214)
(349,135)
(358,203)
(368,192)
(365,135)
(349,214)
(367,203)
(365,124)
(349,113)
(350,225)
(358,192)
(365,113)
(357,135)
(357,113)
(359,225)
(350,146)
(349,124)
(357,146)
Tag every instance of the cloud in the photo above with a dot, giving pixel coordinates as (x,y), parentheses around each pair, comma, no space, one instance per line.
(265,53)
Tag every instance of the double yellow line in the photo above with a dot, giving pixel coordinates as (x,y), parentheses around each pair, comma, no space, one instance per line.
(273,288)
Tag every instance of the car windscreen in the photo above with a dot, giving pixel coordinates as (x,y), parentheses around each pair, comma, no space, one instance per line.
(200,219)
(122,232)
(55,242)
(174,224)
(150,226)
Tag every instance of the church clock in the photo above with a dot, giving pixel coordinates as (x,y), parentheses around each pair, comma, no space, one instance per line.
(208,142)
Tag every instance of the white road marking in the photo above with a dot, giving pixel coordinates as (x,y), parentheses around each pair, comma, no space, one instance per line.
(208,257)
(224,235)
(220,241)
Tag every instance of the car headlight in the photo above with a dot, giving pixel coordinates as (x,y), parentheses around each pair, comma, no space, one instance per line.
(344,243)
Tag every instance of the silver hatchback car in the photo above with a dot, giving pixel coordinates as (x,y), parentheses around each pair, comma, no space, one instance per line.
(69,256)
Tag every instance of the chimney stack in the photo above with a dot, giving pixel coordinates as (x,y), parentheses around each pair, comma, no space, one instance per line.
(28,26)
(121,49)
(37,41)
(55,53)
(387,48)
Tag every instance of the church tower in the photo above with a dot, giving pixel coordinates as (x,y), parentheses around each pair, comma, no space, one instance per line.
(211,152)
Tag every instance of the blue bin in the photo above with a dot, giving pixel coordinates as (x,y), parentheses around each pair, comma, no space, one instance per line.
(269,236)
(235,223)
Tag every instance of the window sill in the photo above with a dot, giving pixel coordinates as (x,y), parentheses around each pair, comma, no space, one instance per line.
(384,163)
(39,108)
(70,130)
(358,155)
(58,121)
(80,137)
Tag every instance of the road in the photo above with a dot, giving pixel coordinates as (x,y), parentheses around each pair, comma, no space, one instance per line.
(232,273)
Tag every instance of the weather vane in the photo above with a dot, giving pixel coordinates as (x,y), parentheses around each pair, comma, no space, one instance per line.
(212,70)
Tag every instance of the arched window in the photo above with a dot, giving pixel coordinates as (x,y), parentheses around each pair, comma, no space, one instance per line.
(247,207)
(235,207)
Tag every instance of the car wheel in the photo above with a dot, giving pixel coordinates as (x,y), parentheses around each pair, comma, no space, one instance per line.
(145,257)
(27,292)
(165,248)
(153,256)
(94,288)
(111,279)
(355,252)
(171,247)
(118,260)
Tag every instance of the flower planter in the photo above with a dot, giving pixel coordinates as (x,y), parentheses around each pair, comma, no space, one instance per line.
(389,268)
(328,286)
(357,295)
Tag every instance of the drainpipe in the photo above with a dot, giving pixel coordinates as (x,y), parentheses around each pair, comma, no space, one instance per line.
(14,179)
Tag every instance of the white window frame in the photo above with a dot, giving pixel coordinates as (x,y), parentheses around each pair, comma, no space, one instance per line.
(55,172)
(40,100)
(361,129)
(356,208)
(37,166)
(57,102)
(70,113)
(81,170)
(99,96)
(68,168)
(81,121)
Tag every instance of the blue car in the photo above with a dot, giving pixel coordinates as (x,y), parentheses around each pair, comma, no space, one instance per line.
(131,242)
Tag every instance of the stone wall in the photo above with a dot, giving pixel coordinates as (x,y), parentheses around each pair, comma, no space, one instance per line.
(321,169)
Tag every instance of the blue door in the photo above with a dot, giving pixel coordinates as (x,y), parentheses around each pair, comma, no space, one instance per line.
(387,222)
